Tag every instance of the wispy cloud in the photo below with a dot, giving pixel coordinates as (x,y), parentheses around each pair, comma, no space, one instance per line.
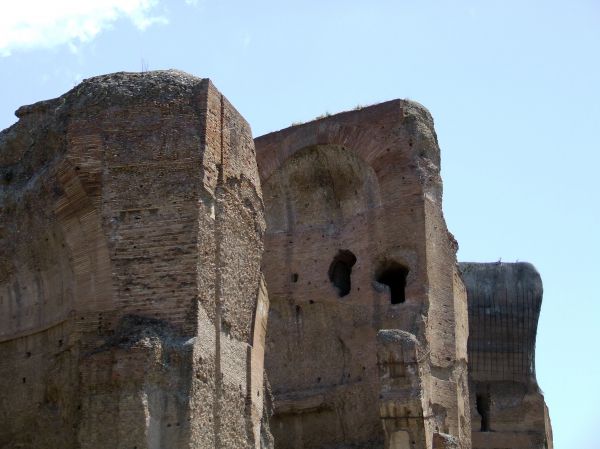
(30,24)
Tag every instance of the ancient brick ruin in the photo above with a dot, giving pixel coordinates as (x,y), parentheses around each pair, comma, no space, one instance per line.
(507,407)
(356,245)
(141,228)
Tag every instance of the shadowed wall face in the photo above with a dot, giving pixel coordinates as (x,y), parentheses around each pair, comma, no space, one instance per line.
(130,253)
(507,407)
(348,203)
(320,198)
(504,307)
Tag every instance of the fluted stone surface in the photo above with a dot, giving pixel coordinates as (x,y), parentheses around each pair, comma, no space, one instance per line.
(507,406)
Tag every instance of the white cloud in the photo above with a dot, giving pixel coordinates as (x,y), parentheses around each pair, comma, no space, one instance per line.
(29,24)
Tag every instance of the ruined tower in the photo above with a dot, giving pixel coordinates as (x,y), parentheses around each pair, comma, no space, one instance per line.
(507,406)
(367,336)
(132,307)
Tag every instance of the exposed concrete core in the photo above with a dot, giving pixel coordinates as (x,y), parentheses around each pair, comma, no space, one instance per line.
(364,183)
(507,407)
(132,312)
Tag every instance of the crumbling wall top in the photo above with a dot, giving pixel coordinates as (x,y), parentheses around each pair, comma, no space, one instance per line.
(406,120)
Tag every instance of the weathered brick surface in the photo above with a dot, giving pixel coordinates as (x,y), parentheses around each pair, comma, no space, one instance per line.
(130,269)
(133,310)
(368,182)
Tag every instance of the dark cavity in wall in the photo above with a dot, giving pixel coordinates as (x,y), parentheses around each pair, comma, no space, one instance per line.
(8,176)
(483,408)
(394,276)
(340,271)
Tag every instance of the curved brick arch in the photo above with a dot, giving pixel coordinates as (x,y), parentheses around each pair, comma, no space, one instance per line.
(80,221)
(320,185)
(393,126)
(345,137)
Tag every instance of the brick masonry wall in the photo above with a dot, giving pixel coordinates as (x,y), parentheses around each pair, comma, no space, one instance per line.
(357,181)
(131,241)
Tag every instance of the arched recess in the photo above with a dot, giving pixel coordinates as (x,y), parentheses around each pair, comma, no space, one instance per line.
(79,218)
(52,295)
(319,185)
(316,201)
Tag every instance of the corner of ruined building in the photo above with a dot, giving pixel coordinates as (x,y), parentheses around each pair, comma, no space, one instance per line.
(418,122)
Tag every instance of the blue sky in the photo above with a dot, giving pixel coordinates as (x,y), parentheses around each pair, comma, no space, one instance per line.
(514,87)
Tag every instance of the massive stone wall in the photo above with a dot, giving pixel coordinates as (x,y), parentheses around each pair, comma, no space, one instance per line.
(507,406)
(356,244)
(132,310)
